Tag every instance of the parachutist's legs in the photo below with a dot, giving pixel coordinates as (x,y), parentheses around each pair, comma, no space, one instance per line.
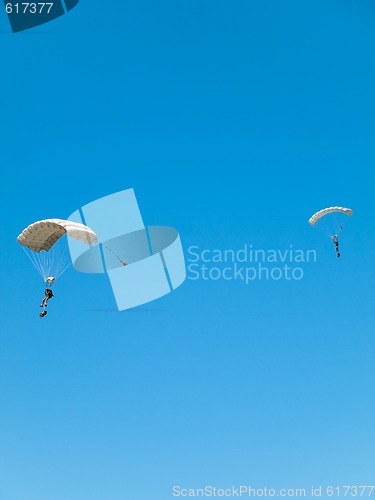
(44,302)
(337,249)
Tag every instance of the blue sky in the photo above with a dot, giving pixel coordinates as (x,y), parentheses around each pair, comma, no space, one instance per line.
(234,122)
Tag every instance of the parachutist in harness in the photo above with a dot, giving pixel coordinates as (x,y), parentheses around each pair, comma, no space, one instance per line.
(335,240)
(43,235)
(48,295)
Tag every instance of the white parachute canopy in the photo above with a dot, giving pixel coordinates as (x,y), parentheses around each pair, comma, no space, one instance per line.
(43,235)
(314,219)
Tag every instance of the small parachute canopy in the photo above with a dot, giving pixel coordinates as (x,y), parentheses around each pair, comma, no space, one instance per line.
(314,219)
(42,235)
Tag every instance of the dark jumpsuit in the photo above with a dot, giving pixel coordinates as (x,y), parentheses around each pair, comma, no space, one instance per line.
(48,295)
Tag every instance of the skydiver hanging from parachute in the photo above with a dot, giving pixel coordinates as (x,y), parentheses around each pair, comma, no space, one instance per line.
(335,240)
(40,239)
(331,210)
(42,236)
(48,294)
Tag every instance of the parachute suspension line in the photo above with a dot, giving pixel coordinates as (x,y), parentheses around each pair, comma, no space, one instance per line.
(323,227)
(117,257)
(338,222)
(36,263)
(45,260)
(63,262)
(51,261)
(62,270)
(57,260)
(47,263)
(43,263)
(39,264)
